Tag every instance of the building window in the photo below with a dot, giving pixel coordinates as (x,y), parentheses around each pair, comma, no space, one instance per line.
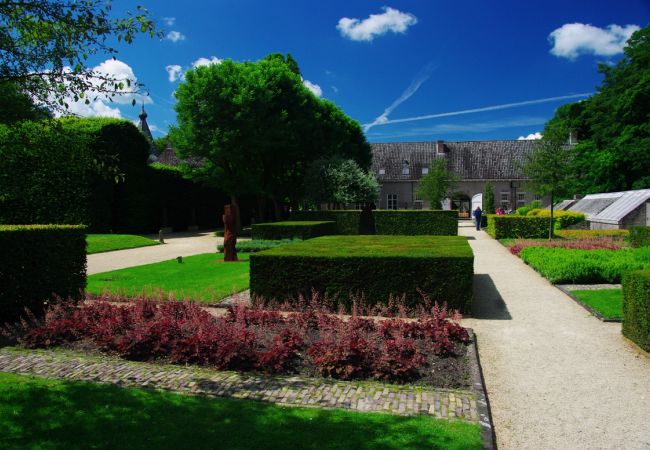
(505,200)
(382,171)
(537,197)
(425,171)
(418,204)
(391,201)
(521,199)
(406,171)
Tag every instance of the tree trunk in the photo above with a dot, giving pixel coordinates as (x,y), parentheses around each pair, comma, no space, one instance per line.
(235,208)
(550,225)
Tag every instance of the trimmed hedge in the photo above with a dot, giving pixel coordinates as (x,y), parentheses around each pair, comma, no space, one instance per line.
(561,219)
(564,265)
(293,230)
(419,222)
(375,267)
(640,236)
(507,227)
(39,263)
(636,307)
(257,245)
(347,221)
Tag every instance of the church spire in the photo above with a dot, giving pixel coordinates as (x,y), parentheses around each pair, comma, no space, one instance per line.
(144,126)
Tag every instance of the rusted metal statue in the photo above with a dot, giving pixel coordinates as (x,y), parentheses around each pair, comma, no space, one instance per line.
(229,234)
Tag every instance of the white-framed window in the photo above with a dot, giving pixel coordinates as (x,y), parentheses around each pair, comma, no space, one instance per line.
(521,198)
(418,204)
(382,171)
(425,171)
(505,199)
(406,171)
(537,197)
(391,201)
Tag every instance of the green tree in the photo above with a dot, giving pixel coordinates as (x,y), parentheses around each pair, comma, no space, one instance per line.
(488,198)
(612,128)
(15,105)
(341,181)
(438,184)
(45,44)
(548,168)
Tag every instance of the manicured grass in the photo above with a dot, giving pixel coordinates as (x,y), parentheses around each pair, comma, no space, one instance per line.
(39,413)
(204,278)
(607,302)
(98,243)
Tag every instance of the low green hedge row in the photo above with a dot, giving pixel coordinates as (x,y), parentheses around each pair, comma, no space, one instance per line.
(39,263)
(347,221)
(561,219)
(640,236)
(388,222)
(258,245)
(371,267)
(412,223)
(563,265)
(521,227)
(636,307)
(293,230)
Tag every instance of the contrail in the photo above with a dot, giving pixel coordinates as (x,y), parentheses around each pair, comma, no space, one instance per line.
(474,110)
(412,89)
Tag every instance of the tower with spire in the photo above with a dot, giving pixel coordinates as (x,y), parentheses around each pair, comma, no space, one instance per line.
(144,128)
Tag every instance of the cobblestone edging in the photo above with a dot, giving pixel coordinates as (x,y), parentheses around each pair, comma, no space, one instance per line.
(284,390)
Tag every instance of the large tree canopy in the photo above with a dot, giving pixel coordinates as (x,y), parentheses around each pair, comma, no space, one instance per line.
(612,126)
(257,128)
(438,184)
(341,181)
(44,46)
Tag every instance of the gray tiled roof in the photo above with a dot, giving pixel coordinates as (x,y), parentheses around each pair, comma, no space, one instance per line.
(168,157)
(470,160)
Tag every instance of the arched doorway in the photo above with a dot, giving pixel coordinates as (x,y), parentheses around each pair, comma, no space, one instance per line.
(477,200)
(462,203)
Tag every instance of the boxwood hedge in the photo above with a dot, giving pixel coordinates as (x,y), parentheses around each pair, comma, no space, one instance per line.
(640,236)
(374,267)
(411,223)
(523,227)
(293,230)
(636,307)
(347,221)
(561,219)
(39,263)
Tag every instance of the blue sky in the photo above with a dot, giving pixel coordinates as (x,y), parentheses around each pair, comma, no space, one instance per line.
(440,69)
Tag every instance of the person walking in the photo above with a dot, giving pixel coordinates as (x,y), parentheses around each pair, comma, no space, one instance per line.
(477,215)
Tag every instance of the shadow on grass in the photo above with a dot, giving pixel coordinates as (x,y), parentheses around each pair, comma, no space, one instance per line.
(488,303)
(36,413)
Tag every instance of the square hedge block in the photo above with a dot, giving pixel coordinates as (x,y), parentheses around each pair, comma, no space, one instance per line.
(275,231)
(372,266)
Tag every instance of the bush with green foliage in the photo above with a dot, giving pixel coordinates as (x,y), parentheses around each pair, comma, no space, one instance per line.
(374,267)
(506,227)
(347,221)
(561,219)
(417,222)
(636,307)
(258,245)
(488,198)
(640,236)
(38,264)
(524,210)
(563,265)
(293,230)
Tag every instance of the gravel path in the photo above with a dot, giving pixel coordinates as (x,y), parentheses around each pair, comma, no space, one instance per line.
(176,244)
(557,378)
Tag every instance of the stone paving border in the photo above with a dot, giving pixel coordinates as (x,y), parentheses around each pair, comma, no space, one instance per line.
(283,390)
(488,435)
(567,288)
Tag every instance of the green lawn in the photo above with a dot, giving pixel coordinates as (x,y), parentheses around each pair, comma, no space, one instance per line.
(608,302)
(39,413)
(203,278)
(98,243)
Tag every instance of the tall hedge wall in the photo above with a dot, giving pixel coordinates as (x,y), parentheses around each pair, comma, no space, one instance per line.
(52,172)
(561,219)
(293,230)
(410,223)
(640,236)
(372,267)
(39,263)
(636,307)
(525,227)
(347,221)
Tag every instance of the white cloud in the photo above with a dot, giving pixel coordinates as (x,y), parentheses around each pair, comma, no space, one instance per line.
(206,61)
(530,137)
(335,89)
(174,71)
(98,103)
(314,88)
(169,21)
(376,24)
(574,39)
(175,36)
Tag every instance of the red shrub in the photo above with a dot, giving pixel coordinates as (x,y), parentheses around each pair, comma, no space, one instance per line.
(598,243)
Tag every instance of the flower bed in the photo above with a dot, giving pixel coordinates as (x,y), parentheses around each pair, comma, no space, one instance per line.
(583,244)
(308,340)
